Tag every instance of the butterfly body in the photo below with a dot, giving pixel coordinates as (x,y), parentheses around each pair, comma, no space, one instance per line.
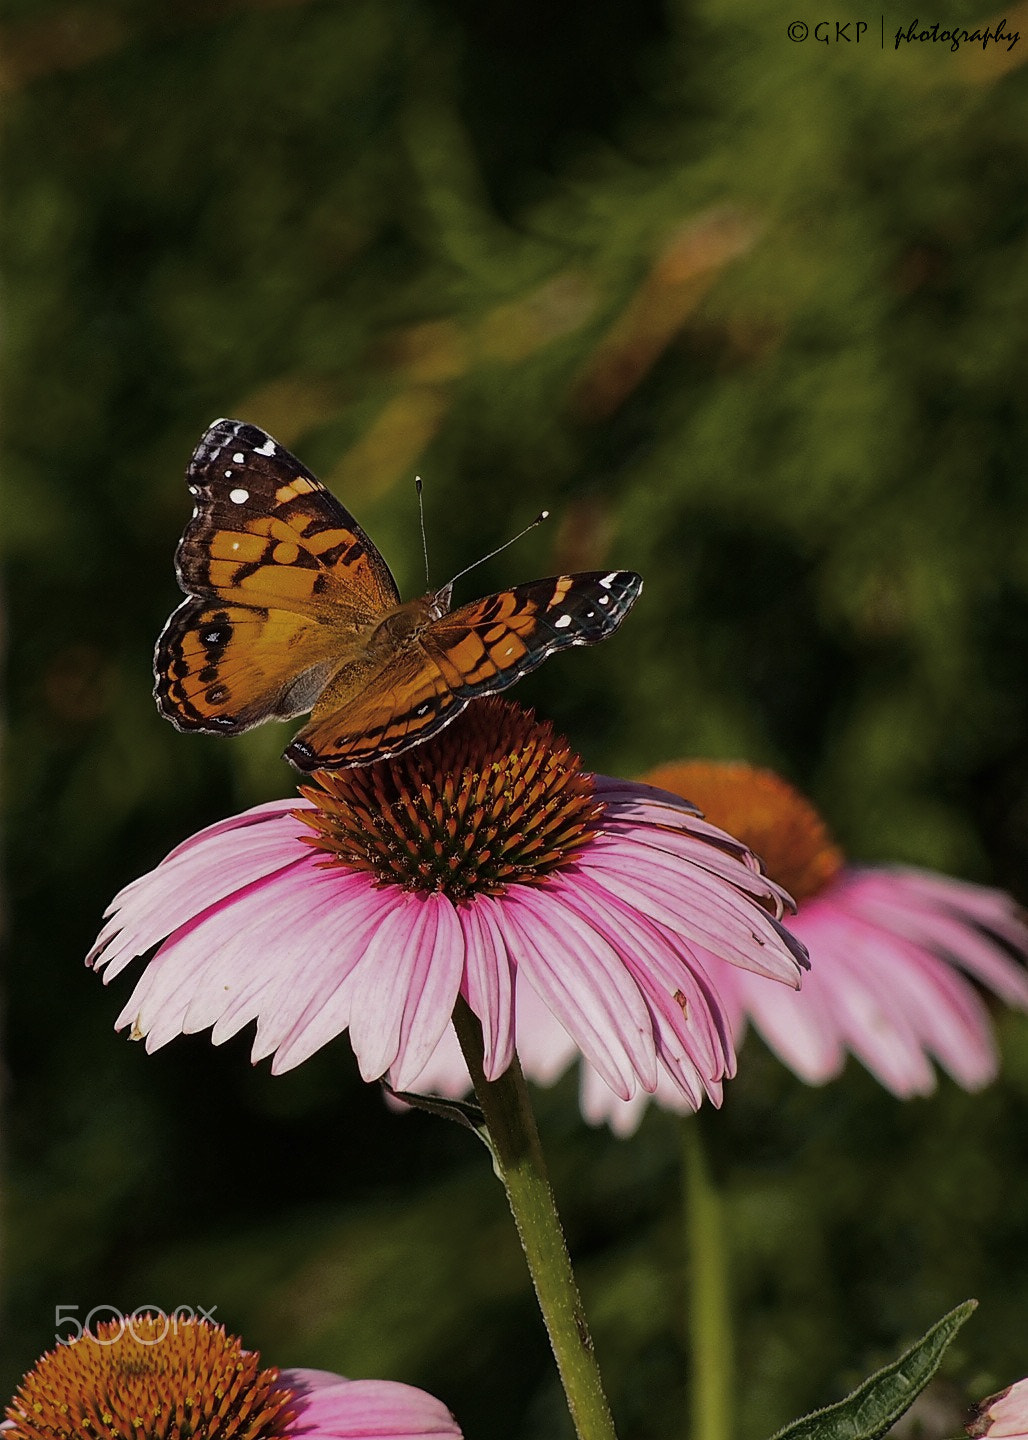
(290,608)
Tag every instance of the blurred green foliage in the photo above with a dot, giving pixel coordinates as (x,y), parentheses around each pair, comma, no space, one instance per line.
(747,315)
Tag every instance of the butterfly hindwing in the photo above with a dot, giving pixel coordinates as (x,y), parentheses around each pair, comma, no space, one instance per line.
(224,668)
(363,717)
(477,650)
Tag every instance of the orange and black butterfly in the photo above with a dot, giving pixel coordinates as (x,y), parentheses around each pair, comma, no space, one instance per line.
(291,608)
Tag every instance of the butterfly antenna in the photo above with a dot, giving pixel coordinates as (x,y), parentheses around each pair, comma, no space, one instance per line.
(543,515)
(421,516)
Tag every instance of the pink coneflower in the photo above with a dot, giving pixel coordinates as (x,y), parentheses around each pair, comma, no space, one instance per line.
(891,950)
(483,861)
(149,1378)
(893,945)
(1003,1416)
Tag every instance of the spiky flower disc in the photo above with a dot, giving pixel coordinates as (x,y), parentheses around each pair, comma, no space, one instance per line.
(147,1378)
(766,813)
(496,799)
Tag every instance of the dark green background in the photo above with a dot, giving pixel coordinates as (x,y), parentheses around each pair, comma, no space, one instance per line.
(747,315)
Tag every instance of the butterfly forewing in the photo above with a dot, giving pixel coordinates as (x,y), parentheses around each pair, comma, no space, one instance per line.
(281,581)
(487,645)
(266,531)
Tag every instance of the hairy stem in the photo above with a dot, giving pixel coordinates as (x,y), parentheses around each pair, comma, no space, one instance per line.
(519,1160)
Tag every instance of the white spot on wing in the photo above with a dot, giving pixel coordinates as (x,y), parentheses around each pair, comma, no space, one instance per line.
(238,458)
(239,497)
(608,580)
(268,448)
(604,599)
(562,623)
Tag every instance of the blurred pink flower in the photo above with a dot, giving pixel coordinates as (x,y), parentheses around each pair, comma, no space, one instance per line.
(1003,1416)
(892,949)
(189,1375)
(479,862)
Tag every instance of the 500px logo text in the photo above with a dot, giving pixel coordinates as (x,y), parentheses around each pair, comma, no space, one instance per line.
(68,1316)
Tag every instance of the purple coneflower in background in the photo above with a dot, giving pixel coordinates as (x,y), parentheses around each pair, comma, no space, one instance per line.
(482,862)
(894,951)
(146,1378)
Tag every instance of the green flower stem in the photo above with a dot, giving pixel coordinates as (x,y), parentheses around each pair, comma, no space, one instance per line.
(519,1160)
(709,1321)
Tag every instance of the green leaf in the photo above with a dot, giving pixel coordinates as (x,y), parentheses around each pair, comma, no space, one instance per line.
(878,1403)
(464,1112)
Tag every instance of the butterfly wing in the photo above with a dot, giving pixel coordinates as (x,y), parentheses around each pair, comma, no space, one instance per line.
(224,668)
(367,716)
(479,649)
(280,581)
(488,645)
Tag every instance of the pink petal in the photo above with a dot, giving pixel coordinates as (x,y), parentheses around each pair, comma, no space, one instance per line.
(635,807)
(446,1073)
(338,1409)
(585,984)
(489,980)
(797,1025)
(695,904)
(256,815)
(406,986)
(310,1004)
(947,917)
(212,967)
(894,999)
(705,856)
(947,1015)
(311,958)
(429,1009)
(545,1049)
(663,826)
(666,970)
(205,870)
(861,992)
(599,1104)
(634,798)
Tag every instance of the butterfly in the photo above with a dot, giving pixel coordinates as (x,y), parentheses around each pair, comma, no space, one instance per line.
(290,608)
